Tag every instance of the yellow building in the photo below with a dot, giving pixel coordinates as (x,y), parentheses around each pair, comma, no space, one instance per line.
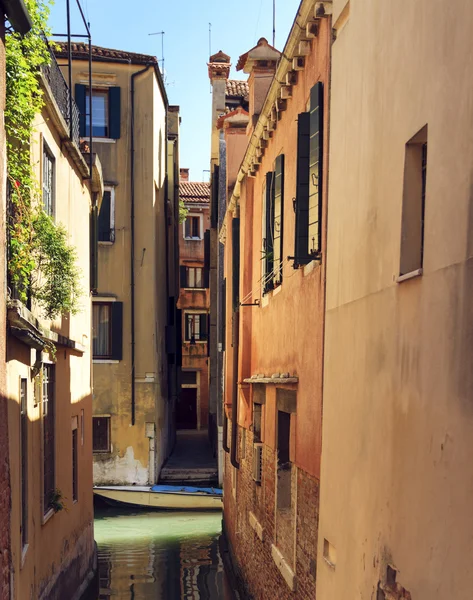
(49,383)
(397,481)
(135,366)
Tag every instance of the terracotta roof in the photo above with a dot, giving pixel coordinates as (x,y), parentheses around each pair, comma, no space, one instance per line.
(237,112)
(194,191)
(237,88)
(220,57)
(80,50)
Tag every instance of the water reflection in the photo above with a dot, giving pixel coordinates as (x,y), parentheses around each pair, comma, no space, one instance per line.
(159,555)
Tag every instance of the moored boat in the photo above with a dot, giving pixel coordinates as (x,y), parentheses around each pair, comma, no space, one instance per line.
(167,497)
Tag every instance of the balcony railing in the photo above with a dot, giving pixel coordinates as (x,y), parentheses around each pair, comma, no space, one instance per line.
(61,93)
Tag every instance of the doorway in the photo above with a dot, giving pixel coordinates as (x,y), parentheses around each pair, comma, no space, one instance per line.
(186,414)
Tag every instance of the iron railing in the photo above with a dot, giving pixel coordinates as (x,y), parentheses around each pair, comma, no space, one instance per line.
(61,93)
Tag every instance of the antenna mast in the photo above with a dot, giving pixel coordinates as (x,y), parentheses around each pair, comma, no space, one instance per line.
(161,33)
(274,23)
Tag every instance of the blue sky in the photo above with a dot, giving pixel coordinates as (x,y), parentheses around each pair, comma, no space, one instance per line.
(236,27)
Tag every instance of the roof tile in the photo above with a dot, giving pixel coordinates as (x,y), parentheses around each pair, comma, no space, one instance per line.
(237,88)
(80,50)
(194,191)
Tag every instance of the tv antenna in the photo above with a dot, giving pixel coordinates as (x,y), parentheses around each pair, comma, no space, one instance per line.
(274,23)
(161,33)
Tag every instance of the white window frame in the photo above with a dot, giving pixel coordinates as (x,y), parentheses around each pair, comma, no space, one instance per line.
(111,189)
(195,312)
(201,227)
(201,287)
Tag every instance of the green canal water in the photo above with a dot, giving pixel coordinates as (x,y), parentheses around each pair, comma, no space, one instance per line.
(159,555)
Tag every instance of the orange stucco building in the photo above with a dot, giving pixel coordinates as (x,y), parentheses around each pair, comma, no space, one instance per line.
(274,232)
(192,410)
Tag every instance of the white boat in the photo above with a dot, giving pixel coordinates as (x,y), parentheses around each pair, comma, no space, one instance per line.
(169,497)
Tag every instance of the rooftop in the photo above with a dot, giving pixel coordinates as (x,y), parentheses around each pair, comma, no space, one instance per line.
(194,191)
(236,87)
(80,50)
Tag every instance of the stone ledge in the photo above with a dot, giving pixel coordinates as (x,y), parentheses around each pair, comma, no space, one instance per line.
(284,568)
(256,525)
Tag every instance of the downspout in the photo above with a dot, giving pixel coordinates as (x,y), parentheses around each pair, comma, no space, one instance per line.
(236,344)
(132,230)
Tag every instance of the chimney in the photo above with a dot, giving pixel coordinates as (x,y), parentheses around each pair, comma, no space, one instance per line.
(260,63)
(183,174)
(219,71)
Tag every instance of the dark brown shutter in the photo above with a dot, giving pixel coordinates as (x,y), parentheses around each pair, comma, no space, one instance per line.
(203,328)
(104,217)
(179,337)
(114,112)
(214,197)
(117,330)
(100,434)
(278,219)
(81,105)
(223,312)
(269,239)
(93,249)
(236,263)
(315,169)
(183,276)
(302,191)
(206,272)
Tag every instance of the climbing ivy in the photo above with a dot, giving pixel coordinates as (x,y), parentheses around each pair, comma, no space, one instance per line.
(41,262)
(182,211)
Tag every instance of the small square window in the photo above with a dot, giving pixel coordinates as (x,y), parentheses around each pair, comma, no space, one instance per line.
(193,227)
(195,327)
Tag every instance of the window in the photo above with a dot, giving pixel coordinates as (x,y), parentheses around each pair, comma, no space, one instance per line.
(99,113)
(106,113)
(48,181)
(268,234)
(284,464)
(413,204)
(308,206)
(193,227)
(257,414)
(24,461)
(74,464)
(278,220)
(189,377)
(192,277)
(196,327)
(101,434)
(107,322)
(106,218)
(49,436)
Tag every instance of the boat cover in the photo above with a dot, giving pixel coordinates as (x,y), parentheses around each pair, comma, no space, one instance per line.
(169,489)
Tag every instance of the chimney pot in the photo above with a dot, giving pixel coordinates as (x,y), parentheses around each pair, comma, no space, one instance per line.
(183,174)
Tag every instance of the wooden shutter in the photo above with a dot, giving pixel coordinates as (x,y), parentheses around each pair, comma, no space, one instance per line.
(203,328)
(214,197)
(223,312)
(206,272)
(269,234)
(105,218)
(93,249)
(117,330)
(80,101)
(183,276)
(236,263)
(278,222)
(114,112)
(101,434)
(301,240)
(179,337)
(315,169)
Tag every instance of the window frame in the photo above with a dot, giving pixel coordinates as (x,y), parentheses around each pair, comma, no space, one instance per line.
(195,313)
(110,354)
(47,154)
(201,227)
(48,401)
(24,463)
(109,440)
(102,92)
(195,287)
(111,189)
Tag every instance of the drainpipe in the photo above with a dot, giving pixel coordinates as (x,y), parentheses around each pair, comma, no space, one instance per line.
(132,229)
(225,431)
(236,343)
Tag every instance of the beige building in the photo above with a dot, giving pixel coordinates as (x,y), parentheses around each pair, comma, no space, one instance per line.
(395,510)
(134,303)
(49,383)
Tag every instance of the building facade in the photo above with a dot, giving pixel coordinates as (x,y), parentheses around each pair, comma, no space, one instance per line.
(192,410)
(49,378)
(274,235)
(395,517)
(134,304)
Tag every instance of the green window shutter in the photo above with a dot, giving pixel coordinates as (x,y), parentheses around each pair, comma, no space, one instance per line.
(315,169)
(183,276)
(203,328)
(236,263)
(269,234)
(105,229)
(117,330)
(278,223)
(93,249)
(80,101)
(114,112)
(301,238)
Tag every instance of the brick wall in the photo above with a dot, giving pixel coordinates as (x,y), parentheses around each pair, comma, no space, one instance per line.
(298,531)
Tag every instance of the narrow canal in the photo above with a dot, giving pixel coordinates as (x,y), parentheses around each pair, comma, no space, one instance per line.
(160,555)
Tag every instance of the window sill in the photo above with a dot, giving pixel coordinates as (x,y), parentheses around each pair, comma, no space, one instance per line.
(194,289)
(104,361)
(23,555)
(411,275)
(48,516)
(96,452)
(277,290)
(309,267)
(284,568)
(103,140)
(187,342)
(104,243)
(193,239)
